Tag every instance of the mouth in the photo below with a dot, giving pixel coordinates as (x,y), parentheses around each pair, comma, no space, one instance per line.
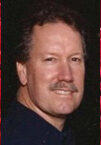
(63,92)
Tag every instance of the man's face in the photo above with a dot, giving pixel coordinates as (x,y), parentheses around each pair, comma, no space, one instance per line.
(55,70)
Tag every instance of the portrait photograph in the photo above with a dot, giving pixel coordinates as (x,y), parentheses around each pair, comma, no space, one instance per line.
(50,72)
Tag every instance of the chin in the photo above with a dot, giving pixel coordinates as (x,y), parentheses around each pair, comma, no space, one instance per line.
(65,110)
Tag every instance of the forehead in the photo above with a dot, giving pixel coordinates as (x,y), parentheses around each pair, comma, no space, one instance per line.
(54,28)
(57,35)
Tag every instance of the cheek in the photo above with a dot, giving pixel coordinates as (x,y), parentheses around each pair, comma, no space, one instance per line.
(45,74)
(79,76)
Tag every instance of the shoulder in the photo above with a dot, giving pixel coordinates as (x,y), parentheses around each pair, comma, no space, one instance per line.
(18,127)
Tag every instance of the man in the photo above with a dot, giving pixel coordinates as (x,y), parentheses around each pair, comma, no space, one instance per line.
(51,70)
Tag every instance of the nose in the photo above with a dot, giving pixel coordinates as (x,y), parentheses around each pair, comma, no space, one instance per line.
(65,73)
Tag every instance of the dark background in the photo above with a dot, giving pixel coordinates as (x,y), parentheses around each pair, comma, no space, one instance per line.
(85,121)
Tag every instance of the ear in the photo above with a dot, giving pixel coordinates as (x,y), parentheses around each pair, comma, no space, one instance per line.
(22,73)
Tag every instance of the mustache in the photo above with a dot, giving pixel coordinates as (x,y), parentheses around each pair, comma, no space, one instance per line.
(63,85)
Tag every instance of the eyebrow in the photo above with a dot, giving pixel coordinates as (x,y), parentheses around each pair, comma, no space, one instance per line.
(79,53)
(76,53)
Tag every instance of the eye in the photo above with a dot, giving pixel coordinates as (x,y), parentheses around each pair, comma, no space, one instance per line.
(76,59)
(50,59)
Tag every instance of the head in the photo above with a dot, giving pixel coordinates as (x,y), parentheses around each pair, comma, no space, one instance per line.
(50,60)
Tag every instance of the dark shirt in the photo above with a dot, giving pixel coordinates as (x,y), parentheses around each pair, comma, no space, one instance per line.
(23,126)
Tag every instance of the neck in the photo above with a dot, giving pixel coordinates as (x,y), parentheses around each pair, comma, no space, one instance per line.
(56,121)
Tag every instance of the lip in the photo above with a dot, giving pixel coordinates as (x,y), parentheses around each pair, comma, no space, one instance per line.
(63,92)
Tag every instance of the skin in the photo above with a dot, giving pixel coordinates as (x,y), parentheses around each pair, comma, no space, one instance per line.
(56,57)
